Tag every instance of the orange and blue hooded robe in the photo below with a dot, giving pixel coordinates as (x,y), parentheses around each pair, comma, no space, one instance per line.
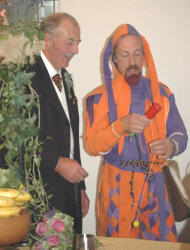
(135,190)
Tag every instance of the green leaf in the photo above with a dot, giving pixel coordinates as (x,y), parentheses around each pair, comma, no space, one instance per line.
(22,78)
(37,160)
(1,118)
(40,35)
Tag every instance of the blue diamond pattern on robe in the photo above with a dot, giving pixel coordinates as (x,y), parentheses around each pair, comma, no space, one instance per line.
(111,193)
(116,213)
(117,228)
(152,205)
(111,209)
(152,236)
(109,231)
(118,177)
(112,206)
(167,230)
(118,190)
(152,221)
(167,213)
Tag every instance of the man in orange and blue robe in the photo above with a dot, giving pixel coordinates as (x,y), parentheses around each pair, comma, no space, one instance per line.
(133,199)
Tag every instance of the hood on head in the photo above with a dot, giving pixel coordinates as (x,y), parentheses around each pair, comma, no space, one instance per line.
(149,63)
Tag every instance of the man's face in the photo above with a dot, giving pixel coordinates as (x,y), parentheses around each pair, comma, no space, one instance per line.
(63,45)
(129,58)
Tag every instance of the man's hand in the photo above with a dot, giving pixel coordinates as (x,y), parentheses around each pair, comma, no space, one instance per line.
(85,203)
(70,170)
(164,148)
(135,123)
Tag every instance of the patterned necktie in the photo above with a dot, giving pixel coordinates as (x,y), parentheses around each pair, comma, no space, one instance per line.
(58,81)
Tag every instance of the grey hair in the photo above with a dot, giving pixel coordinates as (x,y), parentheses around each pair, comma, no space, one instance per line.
(53,21)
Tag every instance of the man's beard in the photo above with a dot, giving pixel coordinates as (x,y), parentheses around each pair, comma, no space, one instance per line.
(134,78)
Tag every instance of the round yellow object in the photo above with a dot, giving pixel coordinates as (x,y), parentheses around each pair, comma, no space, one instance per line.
(23,196)
(9,211)
(6,201)
(136,224)
(9,192)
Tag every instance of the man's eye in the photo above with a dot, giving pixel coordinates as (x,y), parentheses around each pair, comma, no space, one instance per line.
(138,53)
(125,55)
(69,42)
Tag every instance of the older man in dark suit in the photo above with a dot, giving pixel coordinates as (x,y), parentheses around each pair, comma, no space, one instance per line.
(59,122)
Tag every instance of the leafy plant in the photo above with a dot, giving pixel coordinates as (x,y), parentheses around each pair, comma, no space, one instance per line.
(20,113)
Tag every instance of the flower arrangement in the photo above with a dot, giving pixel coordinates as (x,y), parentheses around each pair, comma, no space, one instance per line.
(55,231)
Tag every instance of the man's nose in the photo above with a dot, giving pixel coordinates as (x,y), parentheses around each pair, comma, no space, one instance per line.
(132,60)
(75,48)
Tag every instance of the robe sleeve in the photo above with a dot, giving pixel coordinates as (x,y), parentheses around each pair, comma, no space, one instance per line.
(176,130)
(100,136)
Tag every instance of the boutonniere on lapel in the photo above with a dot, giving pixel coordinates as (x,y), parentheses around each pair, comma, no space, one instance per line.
(70,86)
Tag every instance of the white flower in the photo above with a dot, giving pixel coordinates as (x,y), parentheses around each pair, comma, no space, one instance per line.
(69,82)
(15,48)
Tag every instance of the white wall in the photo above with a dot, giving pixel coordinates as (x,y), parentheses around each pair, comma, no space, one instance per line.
(166,26)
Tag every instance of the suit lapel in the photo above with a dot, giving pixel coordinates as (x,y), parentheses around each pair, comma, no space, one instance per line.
(72,107)
(48,88)
(51,96)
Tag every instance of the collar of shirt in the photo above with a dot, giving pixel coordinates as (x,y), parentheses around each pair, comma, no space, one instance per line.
(49,66)
(51,71)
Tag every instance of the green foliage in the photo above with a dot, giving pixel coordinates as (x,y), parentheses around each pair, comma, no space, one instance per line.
(30,30)
(19,127)
(18,124)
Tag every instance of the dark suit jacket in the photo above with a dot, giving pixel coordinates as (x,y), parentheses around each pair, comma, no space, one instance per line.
(55,135)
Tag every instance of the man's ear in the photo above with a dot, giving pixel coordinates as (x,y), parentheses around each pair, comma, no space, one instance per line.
(47,39)
(114,60)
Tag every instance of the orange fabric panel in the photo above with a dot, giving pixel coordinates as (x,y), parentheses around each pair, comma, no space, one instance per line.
(121,30)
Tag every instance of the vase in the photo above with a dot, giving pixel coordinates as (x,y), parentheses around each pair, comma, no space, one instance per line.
(14,229)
